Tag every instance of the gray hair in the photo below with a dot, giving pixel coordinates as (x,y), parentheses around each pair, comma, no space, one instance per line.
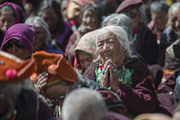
(142,13)
(159,6)
(39,22)
(173,6)
(121,35)
(83,104)
(121,20)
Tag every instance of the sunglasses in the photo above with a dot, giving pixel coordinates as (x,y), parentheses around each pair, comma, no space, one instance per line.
(18,44)
(132,15)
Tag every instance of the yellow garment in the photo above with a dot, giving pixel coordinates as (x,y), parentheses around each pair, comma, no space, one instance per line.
(169,2)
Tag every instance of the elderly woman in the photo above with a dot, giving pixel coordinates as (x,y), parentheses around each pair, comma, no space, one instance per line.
(172,64)
(85,52)
(17,101)
(43,36)
(117,70)
(55,84)
(170,33)
(60,30)
(90,17)
(19,40)
(144,41)
(10,14)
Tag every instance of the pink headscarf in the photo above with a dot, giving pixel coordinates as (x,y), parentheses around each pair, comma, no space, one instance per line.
(20,17)
(22,32)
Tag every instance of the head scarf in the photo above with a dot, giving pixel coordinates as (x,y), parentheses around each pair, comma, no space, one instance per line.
(22,32)
(86,44)
(128,4)
(20,16)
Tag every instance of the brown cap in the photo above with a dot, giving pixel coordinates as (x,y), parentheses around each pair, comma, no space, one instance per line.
(13,69)
(128,4)
(56,65)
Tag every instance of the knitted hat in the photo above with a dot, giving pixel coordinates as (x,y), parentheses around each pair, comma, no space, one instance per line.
(128,4)
(86,44)
(14,69)
(56,65)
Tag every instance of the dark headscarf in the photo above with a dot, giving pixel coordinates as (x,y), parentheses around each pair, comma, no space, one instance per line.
(19,13)
(128,4)
(22,32)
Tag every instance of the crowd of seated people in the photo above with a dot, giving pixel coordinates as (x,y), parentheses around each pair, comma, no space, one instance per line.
(90,60)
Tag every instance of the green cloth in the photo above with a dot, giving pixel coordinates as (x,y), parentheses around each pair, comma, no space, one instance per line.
(127,76)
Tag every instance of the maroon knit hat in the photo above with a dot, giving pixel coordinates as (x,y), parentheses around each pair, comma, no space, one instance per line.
(128,4)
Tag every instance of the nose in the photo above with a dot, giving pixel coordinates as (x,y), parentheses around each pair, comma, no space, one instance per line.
(13,48)
(87,21)
(105,47)
(176,23)
(86,64)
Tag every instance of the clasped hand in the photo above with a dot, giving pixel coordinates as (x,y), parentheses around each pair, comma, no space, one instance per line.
(110,72)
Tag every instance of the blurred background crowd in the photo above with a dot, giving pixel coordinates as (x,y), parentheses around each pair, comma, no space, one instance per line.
(89,59)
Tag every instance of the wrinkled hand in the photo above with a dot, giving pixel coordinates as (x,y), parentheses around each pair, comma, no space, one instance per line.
(41,83)
(109,66)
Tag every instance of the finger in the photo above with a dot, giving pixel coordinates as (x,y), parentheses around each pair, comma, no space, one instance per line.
(104,81)
(43,81)
(39,76)
(106,64)
(42,89)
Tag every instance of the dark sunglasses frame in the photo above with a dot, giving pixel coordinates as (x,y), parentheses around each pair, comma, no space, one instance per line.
(132,15)
(18,44)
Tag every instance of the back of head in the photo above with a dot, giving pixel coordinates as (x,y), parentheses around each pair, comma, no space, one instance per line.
(159,6)
(121,20)
(83,104)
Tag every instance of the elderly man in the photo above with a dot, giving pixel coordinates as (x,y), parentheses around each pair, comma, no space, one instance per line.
(17,101)
(159,11)
(86,104)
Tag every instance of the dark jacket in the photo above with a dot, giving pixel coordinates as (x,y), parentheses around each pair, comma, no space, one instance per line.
(30,107)
(146,44)
(170,73)
(139,99)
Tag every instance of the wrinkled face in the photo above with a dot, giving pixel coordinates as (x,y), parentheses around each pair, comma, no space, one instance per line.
(110,48)
(51,19)
(173,17)
(39,38)
(90,20)
(135,18)
(160,19)
(84,59)
(15,47)
(55,92)
(6,21)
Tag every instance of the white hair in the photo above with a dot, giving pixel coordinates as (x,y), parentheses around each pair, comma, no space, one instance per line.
(83,104)
(121,36)
(39,22)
